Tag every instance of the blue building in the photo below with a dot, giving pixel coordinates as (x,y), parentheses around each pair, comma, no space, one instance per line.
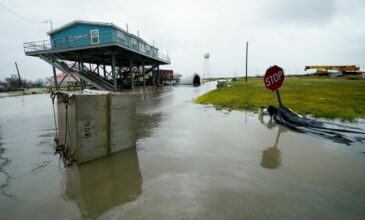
(103,54)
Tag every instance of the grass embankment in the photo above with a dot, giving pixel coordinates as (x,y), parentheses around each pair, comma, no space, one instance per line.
(320,97)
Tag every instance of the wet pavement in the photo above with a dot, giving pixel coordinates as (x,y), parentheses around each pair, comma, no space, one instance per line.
(190,162)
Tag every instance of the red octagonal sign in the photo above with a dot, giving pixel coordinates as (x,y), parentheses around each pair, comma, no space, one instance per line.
(274,77)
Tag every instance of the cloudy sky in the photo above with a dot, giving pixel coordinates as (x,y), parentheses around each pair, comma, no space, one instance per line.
(287,33)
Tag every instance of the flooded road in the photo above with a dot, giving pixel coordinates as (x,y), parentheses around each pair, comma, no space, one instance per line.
(189,162)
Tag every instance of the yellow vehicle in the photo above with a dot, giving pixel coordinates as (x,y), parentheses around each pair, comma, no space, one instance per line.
(324,70)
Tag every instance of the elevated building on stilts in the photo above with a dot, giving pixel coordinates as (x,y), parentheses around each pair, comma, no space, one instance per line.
(103,55)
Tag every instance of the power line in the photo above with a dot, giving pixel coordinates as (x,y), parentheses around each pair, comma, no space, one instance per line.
(21,17)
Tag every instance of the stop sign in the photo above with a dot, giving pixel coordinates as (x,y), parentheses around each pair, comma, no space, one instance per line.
(274,77)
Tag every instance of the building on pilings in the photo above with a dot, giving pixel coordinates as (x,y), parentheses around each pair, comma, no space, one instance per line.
(101,54)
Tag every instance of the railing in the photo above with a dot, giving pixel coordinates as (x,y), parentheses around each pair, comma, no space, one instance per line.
(104,38)
(37,46)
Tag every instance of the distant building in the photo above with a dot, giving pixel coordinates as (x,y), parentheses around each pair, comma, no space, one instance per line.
(69,80)
(166,76)
(176,77)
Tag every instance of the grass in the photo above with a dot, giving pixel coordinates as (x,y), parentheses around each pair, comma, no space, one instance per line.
(319,97)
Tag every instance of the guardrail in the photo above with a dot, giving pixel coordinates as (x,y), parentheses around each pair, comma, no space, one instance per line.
(103,38)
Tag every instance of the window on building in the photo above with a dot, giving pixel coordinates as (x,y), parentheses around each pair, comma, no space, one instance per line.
(154,52)
(134,43)
(94,36)
(141,47)
(121,37)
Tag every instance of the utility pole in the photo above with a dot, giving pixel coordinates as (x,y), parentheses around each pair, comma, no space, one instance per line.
(20,80)
(246,58)
(50,22)
(53,68)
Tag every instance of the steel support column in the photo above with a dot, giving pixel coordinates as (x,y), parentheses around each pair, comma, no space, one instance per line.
(153,76)
(114,75)
(132,73)
(138,73)
(144,77)
(54,77)
(81,67)
(104,70)
(158,75)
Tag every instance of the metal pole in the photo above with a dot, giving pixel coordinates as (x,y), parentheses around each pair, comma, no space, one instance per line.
(54,76)
(81,68)
(153,76)
(132,74)
(53,68)
(128,37)
(104,70)
(49,21)
(113,71)
(279,99)
(158,75)
(246,58)
(144,78)
(20,80)
(138,73)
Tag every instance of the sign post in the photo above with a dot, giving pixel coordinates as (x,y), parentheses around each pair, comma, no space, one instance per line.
(273,79)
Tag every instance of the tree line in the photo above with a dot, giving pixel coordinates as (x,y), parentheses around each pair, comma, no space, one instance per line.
(13,83)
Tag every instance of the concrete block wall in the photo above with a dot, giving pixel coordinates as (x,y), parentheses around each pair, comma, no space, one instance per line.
(98,124)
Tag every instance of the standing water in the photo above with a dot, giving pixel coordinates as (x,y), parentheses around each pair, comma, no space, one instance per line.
(189,162)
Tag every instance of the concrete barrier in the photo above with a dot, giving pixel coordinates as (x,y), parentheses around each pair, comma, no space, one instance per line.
(96,123)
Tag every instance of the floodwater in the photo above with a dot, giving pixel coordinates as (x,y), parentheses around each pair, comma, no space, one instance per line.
(190,162)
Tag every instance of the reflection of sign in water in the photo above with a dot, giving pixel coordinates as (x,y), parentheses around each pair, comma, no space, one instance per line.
(100,185)
(271,157)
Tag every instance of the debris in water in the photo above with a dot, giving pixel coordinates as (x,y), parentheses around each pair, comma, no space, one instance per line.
(40,166)
(336,132)
(4,185)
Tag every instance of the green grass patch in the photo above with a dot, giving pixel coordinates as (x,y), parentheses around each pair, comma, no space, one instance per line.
(320,97)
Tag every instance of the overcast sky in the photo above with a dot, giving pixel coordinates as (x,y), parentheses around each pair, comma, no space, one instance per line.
(287,33)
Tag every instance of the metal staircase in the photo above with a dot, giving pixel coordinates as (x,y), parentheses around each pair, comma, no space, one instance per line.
(90,77)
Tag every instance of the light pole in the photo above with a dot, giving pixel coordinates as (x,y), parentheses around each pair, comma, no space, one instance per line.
(246,58)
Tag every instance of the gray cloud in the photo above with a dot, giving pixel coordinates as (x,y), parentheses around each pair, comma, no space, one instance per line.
(309,12)
(283,32)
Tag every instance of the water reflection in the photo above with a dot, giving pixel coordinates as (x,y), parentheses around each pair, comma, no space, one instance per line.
(271,156)
(102,184)
(149,113)
(146,124)
(4,176)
